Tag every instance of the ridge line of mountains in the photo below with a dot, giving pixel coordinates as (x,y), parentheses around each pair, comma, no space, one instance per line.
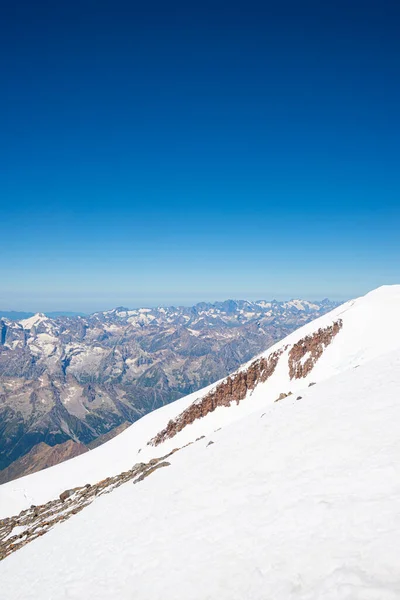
(68,383)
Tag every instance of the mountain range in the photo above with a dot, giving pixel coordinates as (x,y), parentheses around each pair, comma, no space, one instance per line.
(281,480)
(71,381)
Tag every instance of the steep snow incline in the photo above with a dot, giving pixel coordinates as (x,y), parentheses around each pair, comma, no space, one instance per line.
(369,327)
(297,501)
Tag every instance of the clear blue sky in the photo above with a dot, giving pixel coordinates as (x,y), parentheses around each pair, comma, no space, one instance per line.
(164,152)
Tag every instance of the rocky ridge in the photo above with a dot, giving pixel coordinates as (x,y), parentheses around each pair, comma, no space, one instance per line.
(236,387)
(78,378)
(300,365)
(19,530)
(233,389)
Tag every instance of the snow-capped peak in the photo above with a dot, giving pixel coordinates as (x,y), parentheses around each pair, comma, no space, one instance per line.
(33,321)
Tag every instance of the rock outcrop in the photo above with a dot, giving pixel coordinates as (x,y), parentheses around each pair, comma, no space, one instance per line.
(305,353)
(19,530)
(302,357)
(233,389)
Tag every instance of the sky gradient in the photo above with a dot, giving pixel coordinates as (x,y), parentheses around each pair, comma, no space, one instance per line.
(165,153)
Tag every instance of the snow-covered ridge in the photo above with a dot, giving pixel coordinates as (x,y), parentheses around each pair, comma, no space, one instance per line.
(370,328)
(291,500)
(370,325)
(301,359)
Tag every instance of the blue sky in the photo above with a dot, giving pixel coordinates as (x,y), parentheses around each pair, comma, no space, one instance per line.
(157,153)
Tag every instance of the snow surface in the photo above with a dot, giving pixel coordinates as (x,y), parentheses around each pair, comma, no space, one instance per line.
(298,499)
(16,530)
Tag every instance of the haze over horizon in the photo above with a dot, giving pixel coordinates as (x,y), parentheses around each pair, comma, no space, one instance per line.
(174,153)
(54,312)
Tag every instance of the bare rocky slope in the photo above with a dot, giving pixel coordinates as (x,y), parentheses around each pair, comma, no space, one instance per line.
(41,457)
(77,378)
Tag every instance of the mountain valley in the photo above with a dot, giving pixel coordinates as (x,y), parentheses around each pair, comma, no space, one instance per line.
(77,379)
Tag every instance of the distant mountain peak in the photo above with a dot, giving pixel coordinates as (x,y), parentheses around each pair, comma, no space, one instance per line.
(33,321)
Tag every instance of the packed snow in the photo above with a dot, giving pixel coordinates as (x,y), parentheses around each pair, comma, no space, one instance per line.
(294,500)
(300,501)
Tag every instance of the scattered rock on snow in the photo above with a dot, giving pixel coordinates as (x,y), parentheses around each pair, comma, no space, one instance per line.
(282,396)
(37,520)
(66,494)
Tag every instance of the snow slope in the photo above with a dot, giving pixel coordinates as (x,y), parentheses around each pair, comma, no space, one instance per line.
(371,328)
(299,500)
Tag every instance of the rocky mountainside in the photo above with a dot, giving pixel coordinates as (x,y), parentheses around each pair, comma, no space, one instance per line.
(278,481)
(41,457)
(77,378)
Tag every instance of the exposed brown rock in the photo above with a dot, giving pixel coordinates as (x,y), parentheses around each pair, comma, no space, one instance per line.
(314,345)
(282,396)
(233,389)
(69,493)
(41,457)
(165,463)
(38,520)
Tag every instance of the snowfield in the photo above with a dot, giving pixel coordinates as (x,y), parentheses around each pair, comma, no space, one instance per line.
(296,499)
